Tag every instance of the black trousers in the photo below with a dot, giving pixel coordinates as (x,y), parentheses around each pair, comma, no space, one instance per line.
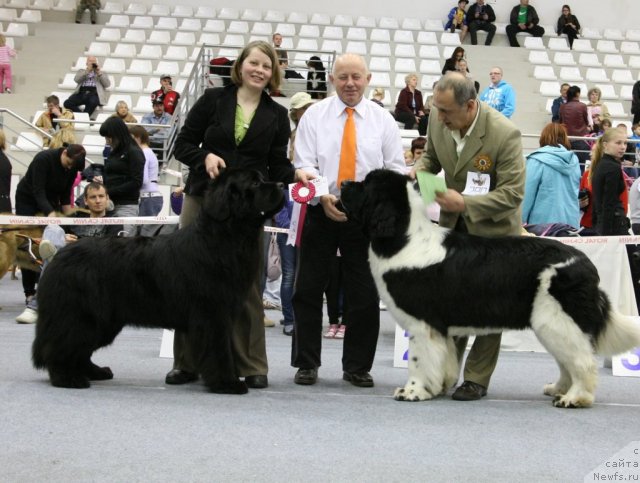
(486,26)
(87,98)
(409,121)
(513,30)
(571,33)
(321,238)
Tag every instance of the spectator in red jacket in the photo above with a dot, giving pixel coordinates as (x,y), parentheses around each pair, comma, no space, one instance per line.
(166,94)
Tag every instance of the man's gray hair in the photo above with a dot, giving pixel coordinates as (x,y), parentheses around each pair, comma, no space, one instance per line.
(463,88)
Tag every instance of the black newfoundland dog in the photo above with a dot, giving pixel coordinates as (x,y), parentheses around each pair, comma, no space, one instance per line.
(439,283)
(194,280)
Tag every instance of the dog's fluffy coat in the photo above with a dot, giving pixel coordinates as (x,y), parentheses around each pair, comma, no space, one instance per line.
(194,280)
(439,283)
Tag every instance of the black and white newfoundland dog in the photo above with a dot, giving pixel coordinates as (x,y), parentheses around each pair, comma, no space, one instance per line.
(439,283)
(194,280)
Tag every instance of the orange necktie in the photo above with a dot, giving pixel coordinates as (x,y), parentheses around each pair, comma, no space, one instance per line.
(347,169)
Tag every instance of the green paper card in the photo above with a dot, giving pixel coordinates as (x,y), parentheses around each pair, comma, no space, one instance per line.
(430,184)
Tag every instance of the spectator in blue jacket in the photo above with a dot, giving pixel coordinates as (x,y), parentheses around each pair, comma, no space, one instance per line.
(458,19)
(558,101)
(499,94)
(552,180)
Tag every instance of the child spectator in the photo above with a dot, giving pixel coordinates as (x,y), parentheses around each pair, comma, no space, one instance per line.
(6,53)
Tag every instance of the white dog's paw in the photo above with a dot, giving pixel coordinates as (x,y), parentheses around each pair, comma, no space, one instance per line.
(553,390)
(583,400)
(412,392)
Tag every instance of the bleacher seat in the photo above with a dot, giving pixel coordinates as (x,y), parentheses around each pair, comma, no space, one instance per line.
(309,31)
(622,76)
(606,46)
(143,104)
(250,14)
(544,72)
(125,50)
(380,79)
(159,37)
(81,63)
(110,106)
(159,10)
(582,45)
(307,44)
(100,49)
(331,45)
(448,38)
(262,28)
(182,11)
(332,32)
(341,20)
(549,88)
(628,47)
(207,38)
(558,44)
(399,82)
(388,23)
(167,23)
(433,25)
(632,34)
(590,33)
(589,60)
(30,16)
(634,61)
(150,52)
(411,24)
(285,29)
(235,40)
(626,92)
(214,25)
(429,52)
(68,82)
(427,81)
(616,109)
(356,33)
(320,19)
(539,57)
(405,50)
(296,17)
(136,9)
(367,22)
(167,67)
(596,74)
(614,60)
(42,4)
(570,74)
(608,91)
(357,47)
(130,83)
(82,116)
(28,141)
(274,16)
(613,34)
(430,67)
(93,143)
(405,65)
(108,34)
(17,30)
(134,36)
(238,27)
(427,38)
(184,38)
(65,5)
(403,36)
(205,12)
(142,22)
(534,43)
(228,13)
(176,52)
(564,58)
(380,35)
(118,21)
(140,66)
(113,66)
(190,25)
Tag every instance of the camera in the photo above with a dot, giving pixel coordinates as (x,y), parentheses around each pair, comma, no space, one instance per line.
(94,65)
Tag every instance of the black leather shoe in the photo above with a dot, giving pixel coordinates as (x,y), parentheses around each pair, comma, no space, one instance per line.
(306,377)
(360,379)
(469,391)
(178,376)
(256,382)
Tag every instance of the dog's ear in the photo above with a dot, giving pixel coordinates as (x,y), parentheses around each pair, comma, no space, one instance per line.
(216,202)
(382,222)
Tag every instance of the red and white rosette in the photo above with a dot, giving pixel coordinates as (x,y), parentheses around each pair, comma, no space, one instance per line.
(303,194)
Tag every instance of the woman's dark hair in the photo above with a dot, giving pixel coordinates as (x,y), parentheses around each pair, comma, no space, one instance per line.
(567,7)
(315,62)
(117,130)
(456,51)
(573,92)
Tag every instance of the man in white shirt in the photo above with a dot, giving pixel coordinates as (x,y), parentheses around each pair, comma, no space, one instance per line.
(318,146)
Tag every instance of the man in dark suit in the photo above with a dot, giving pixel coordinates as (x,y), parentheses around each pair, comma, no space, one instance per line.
(475,146)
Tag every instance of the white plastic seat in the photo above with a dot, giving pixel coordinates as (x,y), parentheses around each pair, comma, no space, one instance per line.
(331,45)
(167,23)
(614,60)
(564,58)
(539,57)
(589,60)
(380,35)
(135,36)
(307,44)
(428,38)
(112,7)
(207,38)
(430,66)
(634,61)
(558,44)
(287,43)
(433,25)
(367,22)
(616,109)
(114,66)
(613,34)
(320,19)
(130,83)
(108,34)
(379,64)
(399,82)
(297,17)
(405,50)
(167,67)
(140,66)
(448,38)
(590,33)
(380,48)
(30,16)
(28,141)
(100,49)
(159,10)
(68,82)
(205,12)
(626,92)
(608,91)
(343,20)
(388,23)
(380,79)
(606,46)
(182,11)
(184,38)
(251,14)
(273,16)
(17,30)
(549,88)
(159,37)
(228,13)
(411,24)
(622,76)
(150,52)
(42,4)
(357,47)
(628,47)
(136,9)
(544,72)
(236,40)
(534,43)
(596,74)
(142,22)
(82,116)
(633,35)
(262,28)
(143,104)
(356,33)
(570,74)
(125,50)
(582,45)
(182,83)
(333,32)
(65,5)
(190,25)
(238,27)
(286,29)
(214,25)
(94,143)
(17,4)
(114,99)
(429,52)
(81,63)
(176,52)
(118,21)
(427,81)
(403,36)
(309,31)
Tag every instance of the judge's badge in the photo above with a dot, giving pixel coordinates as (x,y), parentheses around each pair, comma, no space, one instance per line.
(482,163)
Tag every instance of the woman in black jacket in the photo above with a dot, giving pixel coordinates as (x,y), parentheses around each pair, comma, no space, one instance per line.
(568,24)
(5,177)
(451,62)
(237,125)
(123,169)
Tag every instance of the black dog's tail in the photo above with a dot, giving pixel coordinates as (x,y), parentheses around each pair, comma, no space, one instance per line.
(620,333)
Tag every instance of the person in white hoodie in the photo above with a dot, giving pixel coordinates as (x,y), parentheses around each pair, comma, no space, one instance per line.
(552,180)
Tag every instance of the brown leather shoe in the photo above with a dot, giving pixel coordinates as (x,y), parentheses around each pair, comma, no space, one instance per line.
(360,379)
(178,377)
(306,377)
(469,391)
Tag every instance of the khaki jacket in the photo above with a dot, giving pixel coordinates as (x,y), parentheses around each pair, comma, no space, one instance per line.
(64,132)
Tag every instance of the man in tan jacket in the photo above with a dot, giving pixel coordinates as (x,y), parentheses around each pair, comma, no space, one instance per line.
(480,152)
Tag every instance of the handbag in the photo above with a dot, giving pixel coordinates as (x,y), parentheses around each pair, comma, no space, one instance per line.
(274,269)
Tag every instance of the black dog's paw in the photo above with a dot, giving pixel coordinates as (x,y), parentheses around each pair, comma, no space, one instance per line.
(70,381)
(229,387)
(97,373)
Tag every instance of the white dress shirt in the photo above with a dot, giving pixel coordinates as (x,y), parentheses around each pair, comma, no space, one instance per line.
(319,140)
